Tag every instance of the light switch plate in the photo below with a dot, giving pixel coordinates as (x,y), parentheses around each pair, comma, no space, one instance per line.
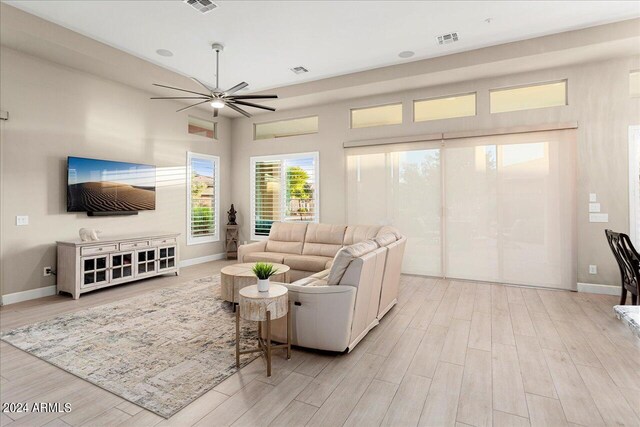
(598,217)
(22,220)
(594,207)
(593,197)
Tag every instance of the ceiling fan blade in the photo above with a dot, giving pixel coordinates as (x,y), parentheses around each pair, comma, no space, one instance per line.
(192,105)
(239,110)
(253,97)
(207,87)
(180,97)
(236,88)
(251,104)
(215,113)
(183,90)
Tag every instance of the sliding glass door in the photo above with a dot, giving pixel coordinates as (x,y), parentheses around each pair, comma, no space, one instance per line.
(400,187)
(510,209)
(509,205)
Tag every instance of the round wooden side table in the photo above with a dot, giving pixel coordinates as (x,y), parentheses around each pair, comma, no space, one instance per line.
(237,276)
(263,307)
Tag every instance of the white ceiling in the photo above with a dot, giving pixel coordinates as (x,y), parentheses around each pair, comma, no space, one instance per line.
(264,39)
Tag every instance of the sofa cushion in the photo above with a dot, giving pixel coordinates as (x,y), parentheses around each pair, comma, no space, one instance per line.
(344,257)
(358,233)
(306,262)
(311,281)
(286,237)
(323,239)
(385,239)
(318,282)
(264,257)
(321,274)
(386,229)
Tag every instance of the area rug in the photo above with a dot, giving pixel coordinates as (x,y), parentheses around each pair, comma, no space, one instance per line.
(161,350)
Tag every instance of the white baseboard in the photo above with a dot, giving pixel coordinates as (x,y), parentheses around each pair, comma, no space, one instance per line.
(51,290)
(594,288)
(47,291)
(202,259)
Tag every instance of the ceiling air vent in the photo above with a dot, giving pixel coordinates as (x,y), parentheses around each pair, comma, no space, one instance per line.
(447,38)
(202,6)
(299,70)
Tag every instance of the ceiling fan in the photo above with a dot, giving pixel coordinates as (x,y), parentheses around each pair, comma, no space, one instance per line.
(217,97)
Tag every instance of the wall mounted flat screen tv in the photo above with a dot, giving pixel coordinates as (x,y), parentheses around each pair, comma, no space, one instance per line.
(106,186)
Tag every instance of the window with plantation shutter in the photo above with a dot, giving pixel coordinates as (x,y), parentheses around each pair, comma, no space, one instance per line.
(283,188)
(203,196)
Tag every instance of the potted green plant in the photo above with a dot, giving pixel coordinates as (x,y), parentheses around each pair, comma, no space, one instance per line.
(263,271)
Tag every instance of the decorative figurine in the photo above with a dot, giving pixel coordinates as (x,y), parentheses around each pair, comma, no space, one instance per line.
(232,215)
(89,234)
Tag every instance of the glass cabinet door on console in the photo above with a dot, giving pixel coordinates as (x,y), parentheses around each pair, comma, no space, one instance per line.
(146,262)
(121,267)
(166,258)
(94,271)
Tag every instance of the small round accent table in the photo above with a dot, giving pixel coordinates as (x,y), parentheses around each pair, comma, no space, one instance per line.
(263,307)
(237,276)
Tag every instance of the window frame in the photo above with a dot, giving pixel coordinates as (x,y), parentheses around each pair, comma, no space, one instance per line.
(634,186)
(435,98)
(255,125)
(351,110)
(631,94)
(191,240)
(282,157)
(215,128)
(534,84)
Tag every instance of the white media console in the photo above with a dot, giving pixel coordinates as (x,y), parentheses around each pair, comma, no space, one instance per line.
(87,266)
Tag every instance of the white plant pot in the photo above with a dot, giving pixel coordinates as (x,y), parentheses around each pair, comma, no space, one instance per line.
(263,285)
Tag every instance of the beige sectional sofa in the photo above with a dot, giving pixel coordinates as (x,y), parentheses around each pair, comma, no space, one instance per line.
(344,279)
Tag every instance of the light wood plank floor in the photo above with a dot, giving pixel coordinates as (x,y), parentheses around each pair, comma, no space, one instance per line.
(450,353)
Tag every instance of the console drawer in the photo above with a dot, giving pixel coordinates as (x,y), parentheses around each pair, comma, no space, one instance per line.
(140,244)
(161,242)
(96,250)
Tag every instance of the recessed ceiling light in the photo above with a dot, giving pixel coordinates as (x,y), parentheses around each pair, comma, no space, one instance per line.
(406,54)
(164,52)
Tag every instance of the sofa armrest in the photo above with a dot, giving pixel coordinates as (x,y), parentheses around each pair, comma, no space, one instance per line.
(251,247)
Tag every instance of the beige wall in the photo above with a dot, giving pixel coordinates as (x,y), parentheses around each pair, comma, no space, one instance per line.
(57,112)
(598,100)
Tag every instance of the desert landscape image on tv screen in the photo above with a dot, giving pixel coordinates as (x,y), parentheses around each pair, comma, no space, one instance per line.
(108,186)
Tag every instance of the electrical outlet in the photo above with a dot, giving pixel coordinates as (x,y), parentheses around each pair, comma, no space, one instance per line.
(593,269)
(46,271)
(22,220)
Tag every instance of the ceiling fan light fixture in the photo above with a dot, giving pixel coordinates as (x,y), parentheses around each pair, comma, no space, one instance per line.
(217,103)
(217,97)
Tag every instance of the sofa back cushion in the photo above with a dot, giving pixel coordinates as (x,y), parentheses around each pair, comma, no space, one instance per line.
(286,237)
(344,257)
(386,229)
(386,239)
(358,233)
(323,239)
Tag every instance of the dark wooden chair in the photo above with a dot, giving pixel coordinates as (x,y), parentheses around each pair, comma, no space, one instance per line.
(628,261)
